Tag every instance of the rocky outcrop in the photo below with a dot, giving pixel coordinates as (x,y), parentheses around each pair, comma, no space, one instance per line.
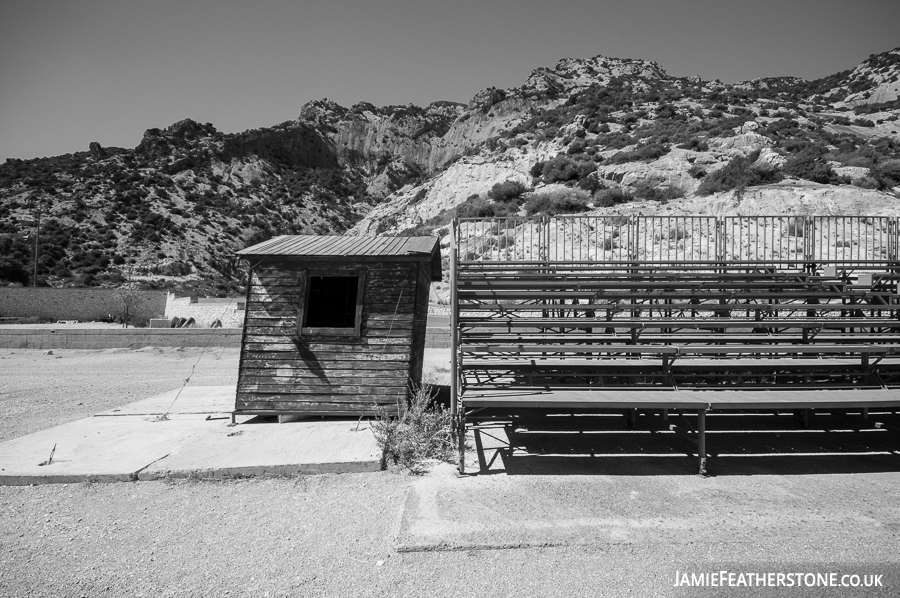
(369,138)
(96,150)
(394,176)
(874,81)
(570,74)
(293,144)
(741,144)
(472,175)
(671,169)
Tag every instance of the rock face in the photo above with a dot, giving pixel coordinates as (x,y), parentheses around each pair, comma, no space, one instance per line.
(673,169)
(394,176)
(294,144)
(97,152)
(469,176)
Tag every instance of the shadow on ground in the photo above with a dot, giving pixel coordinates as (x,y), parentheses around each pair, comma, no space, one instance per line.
(737,444)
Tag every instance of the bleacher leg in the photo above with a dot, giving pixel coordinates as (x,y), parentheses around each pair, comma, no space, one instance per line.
(701,440)
(461,440)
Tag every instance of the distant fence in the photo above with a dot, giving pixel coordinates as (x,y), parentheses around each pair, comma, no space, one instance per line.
(838,240)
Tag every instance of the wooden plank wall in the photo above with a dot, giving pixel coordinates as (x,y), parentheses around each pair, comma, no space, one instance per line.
(420,322)
(281,372)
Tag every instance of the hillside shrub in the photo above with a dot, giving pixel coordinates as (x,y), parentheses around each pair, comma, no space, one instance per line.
(562,201)
(590,184)
(643,153)
(562,169)
(809,164)
(605,198)
(695,144)
(738,174)
(696,171)
(887,174)
(650,191)
(507,191)
(480,207)
(866,182)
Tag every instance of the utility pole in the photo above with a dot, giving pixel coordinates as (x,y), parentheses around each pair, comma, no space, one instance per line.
(37,247)
(37,207)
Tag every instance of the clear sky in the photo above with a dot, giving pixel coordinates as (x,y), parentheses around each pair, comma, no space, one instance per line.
(76,71)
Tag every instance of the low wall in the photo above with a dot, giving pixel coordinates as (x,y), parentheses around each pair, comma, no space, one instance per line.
(437,338)
(205,311)
(116,338)
(112,338)
(77,304)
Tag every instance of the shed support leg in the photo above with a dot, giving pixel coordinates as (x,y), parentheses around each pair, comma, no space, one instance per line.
(665,415)
(701,440)
(865,413)
(632,418)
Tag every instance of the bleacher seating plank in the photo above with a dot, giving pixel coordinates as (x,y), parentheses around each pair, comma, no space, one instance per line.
(694,336)
(585,399)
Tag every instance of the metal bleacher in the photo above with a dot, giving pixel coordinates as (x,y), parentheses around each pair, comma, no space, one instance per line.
(690,315)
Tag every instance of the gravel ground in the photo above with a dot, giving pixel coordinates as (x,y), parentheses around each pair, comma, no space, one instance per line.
(334,535)
(39,391)
(329,535)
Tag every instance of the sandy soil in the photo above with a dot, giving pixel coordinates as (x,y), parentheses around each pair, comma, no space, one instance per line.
(336,535)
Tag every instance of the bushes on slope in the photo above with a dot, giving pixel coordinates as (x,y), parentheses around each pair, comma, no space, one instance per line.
(562,201)
(738,174)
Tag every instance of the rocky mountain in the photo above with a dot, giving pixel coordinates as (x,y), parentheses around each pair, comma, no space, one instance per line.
(598,134)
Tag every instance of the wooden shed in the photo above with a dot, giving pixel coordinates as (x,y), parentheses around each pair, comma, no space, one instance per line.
(334,325)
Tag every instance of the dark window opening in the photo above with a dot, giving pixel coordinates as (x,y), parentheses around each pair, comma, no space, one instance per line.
(332,302)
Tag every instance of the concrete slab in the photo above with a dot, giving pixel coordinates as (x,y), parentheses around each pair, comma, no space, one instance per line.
(591,483)
(95,448)
(445,512)
(273,449)
(133,443)
(202,400)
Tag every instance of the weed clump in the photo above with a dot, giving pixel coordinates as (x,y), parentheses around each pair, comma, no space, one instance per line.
(419,432)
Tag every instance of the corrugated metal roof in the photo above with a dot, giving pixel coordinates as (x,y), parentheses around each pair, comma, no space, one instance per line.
(342,246)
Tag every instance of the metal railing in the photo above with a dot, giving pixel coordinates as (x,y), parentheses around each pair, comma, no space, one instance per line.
(838,240)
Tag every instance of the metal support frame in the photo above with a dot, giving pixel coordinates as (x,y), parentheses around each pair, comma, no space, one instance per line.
(701,441)
(457,413)
(560,245)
